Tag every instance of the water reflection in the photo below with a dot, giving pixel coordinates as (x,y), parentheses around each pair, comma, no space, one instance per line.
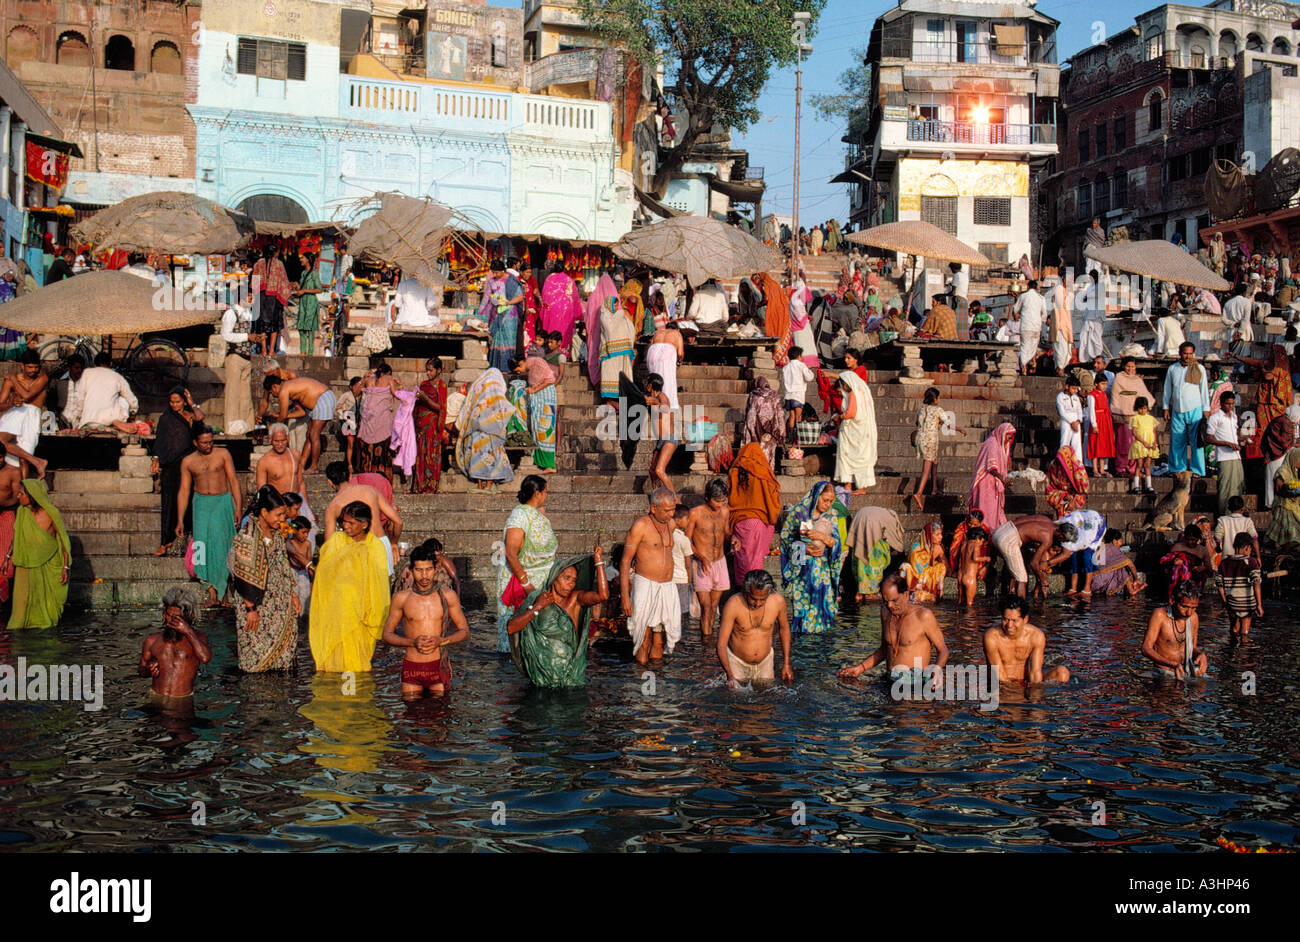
(298,761)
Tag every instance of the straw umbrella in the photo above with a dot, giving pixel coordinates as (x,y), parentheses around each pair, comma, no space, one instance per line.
(919,240)
(103,303)
(167,222)
(698,247)
(1158,260)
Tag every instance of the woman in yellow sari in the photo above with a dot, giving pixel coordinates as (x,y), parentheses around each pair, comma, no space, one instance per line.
(350,595)
(926,566)
(42,555)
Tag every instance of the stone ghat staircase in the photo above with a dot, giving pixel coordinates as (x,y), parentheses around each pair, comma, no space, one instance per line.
(593,499)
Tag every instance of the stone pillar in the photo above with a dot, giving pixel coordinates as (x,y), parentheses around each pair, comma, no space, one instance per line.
(913,372)
(6,148)
(18,139)
(133,471)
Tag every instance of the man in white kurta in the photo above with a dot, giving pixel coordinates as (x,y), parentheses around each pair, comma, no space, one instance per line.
(1030,306)
(107,398)
(414,305)
(1236,316)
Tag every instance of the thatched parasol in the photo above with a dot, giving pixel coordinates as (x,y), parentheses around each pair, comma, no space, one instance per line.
(99,303)
(919,240)
(282,229)
(698,247)
(167,222)
(914,237)
(405,232)
(1160,260)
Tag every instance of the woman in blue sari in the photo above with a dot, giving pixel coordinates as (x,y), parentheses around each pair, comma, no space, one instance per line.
(503,297)
(811,556)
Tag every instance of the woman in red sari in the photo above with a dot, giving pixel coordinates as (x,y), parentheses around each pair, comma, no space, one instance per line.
(430,430)
(1101,434)
(1067,483)
(1273,395)
(989,482)
(532,309)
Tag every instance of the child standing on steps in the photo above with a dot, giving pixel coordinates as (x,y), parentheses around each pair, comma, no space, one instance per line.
(1144,446)
(795,377)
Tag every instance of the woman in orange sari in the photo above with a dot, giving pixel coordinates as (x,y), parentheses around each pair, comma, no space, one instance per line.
(1067,483)
(777,320)
(1273,397)
(755,506)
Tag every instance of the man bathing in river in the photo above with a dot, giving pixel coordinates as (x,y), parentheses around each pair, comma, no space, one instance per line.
(907,633)
(1171,635)
(382,512)
(208,473)
(1016,648)
(172,656)
(650,603)
(423,611)
(745,638)
(280,467)
(1040,532)
(708,528)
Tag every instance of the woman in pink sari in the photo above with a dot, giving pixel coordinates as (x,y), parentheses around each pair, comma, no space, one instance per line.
(605,289)
(988,486)
(561,306)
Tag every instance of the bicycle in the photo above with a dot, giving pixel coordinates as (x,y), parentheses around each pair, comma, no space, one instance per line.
(153,365)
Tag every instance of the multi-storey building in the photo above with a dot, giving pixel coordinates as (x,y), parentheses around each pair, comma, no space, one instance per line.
(33,170)
(962,112)
(1147,112)
(307,105)
(116,76)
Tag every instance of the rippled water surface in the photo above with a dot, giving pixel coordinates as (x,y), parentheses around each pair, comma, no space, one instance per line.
(291,763)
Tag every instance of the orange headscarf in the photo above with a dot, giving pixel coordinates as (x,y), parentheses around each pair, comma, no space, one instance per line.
(755,493)
(777,321)
(630,296)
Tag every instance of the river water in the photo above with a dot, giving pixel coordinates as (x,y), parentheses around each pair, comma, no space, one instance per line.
(673,761)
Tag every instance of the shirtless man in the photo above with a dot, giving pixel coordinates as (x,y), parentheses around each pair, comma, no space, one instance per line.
(665,430)
(649,597)
(10,480)
(209,471)
(907,633)
(280,467)
(27,387)
(1015,648)
(708,527)
(1041,532)
(745,638)
(973,558)
(423,611)
(346,492)
(1171,635)
(172,656)
(316,400)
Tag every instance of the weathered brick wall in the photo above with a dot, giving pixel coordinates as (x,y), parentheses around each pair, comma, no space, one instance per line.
(142,122)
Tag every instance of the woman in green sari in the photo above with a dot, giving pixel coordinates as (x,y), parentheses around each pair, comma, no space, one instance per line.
(528,552)
(42,555)
(308,306)
(548,633)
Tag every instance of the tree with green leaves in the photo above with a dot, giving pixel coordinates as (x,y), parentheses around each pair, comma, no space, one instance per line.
(716,54)
(852,103)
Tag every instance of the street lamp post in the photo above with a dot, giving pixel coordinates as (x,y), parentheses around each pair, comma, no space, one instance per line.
(799,29)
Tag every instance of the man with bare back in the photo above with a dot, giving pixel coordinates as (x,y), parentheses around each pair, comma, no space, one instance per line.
(650,601)
(381,509)
(1016,648)
(708,528)
(315,399)
(1043,533)
(280,467)
(907,634)
(1172,633)
(172,656)
(665,427)
(423,612)
(745,638)
(209,472)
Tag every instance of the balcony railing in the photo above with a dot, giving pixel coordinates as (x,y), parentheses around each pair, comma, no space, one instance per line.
(970,132)
(382,102)
(979,52)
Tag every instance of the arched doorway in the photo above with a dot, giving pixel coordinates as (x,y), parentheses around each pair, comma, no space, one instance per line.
(272,207)
(119,54)
(22,46)
(71,49)
(165,59)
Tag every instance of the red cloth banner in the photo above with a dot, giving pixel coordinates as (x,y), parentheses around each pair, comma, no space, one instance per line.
(47,166)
